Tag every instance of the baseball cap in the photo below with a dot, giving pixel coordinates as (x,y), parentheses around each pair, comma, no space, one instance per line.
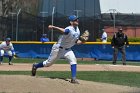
(73,18)
(8,39)
(44,35)
(120,29)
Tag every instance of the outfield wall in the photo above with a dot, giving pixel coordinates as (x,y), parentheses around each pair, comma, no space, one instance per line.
(98,50)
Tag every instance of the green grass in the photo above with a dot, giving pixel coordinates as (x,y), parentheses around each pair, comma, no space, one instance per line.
(23,60)
(113,77)
(35,60)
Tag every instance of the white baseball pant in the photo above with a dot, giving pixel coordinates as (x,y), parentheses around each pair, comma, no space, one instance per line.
(57,53)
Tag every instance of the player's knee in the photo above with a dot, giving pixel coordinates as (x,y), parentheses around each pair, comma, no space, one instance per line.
(1,53)
(73,61)
(47,63)
(10,54)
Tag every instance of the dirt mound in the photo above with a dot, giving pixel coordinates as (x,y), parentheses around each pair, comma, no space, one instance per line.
(29,84)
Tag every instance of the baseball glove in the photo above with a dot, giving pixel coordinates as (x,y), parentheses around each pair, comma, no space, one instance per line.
(15,56)
(84,37)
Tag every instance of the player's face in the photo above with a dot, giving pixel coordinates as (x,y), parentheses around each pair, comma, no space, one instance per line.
(120,31)
(7,42)
(75,22)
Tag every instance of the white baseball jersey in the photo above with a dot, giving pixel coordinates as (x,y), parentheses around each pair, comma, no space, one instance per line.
(104,37)
(70,37)
(4,46)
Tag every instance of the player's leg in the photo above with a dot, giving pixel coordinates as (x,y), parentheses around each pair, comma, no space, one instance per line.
(51,59)
(115,54)
(69,55)
(1,56)
(10,54)
(122,50)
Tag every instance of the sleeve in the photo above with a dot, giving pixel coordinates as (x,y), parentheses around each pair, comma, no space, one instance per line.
(47,39)
(12,49)
(113,41)
(126,40)
(66,31)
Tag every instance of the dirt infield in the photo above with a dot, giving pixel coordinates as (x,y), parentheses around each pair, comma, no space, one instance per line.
(29,84)
(66,67)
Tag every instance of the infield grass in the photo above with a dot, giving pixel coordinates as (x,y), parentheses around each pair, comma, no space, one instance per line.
(62,61)
(113,77)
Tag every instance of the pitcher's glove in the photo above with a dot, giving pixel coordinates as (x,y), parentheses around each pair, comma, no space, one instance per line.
(84,37)
(15,56)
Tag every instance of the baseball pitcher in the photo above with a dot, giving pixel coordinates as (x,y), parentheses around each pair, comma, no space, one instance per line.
(70,37)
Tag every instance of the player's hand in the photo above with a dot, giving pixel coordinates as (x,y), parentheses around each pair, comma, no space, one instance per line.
(50,26)
(79,42)
(112,46)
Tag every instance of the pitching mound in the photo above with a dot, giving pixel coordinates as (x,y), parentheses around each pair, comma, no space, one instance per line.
(29,84)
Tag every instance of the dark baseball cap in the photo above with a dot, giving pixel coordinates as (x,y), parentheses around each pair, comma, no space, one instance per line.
(8,39)
(73,18)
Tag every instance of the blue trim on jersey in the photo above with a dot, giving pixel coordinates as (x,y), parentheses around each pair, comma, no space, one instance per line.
(73,70)
(66,31)
(13,51)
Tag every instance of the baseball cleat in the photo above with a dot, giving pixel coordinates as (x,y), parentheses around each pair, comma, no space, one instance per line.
(124,63)
(74,81)
(114,63)
(0,63)
(10,63)
(33,70)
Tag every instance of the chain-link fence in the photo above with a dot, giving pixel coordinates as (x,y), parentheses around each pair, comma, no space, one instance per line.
(122,19)
(27,27)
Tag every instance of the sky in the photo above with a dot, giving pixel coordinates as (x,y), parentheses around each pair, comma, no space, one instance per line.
(122,6)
